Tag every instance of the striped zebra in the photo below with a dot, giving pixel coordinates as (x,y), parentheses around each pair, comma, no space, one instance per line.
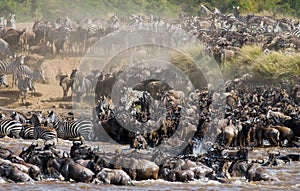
(3,80)
(19,117)
(27,128)
(70,130)
(42,132)
(24,84)
(27,131)
(33,75)
(10,128)
(296,33)
(9,68)
(2,116)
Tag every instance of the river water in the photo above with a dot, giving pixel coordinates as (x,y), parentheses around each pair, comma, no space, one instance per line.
(288,175)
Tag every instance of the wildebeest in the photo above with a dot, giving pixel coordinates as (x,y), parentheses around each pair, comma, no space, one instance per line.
(114,176)
(5,49)
(179,175)
(285,134)
(294,124)
(69,169)
(251,171)
(12,37)
(268,133)
(66,84)
(14,174)
(137,169)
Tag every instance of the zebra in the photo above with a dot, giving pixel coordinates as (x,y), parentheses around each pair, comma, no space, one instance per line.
(27,131)
(10,68)
(42,132)
(3,80)
(19,71)
(296,33)
(3,22)
(33,75)
(19,117)
(10,128)
(70,130)
(11,22)
(2,116)
(24,84)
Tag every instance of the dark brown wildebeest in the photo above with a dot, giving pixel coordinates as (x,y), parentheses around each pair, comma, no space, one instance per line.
(69,169)
(66,83)
(12,37)
(14,174)
(285,134)
(268,133)
(252,171)
(294,124)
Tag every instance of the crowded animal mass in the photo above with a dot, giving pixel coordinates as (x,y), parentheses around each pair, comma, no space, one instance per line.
(255,116)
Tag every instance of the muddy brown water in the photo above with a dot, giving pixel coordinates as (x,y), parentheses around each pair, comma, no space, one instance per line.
(288,175)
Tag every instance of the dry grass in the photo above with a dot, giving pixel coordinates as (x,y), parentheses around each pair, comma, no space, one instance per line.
(275,65)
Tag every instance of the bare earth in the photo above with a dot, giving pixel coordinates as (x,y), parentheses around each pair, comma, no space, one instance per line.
(48,95)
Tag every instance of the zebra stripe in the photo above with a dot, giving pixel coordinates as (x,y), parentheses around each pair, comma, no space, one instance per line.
(27,131)
(45,133)
(19,117)
(70,129)
(9,68)
(24,84)
(296,32)
(42,132)
(10,128)
(3,80)
(24,70)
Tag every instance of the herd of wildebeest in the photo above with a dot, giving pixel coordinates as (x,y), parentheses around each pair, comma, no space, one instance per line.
(252,114)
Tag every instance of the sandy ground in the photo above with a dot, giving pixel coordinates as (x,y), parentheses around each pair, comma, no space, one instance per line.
(49,96)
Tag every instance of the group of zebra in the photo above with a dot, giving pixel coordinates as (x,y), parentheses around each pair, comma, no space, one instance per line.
(50,127)
(8,22)
(22,75)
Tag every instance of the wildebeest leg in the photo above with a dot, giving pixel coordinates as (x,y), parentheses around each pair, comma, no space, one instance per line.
(65,93)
